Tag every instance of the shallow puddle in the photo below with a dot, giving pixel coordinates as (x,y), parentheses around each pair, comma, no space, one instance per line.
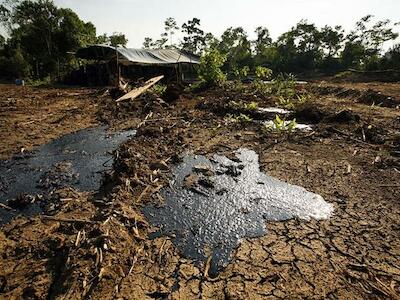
(212,204)
(274,110)
(77,160)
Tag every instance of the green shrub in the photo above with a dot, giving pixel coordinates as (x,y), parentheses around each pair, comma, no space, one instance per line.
(241,73)
(262,87)
(259,85)
(263,73)
(210,72)
(251,106)
(284,86)
(159,89)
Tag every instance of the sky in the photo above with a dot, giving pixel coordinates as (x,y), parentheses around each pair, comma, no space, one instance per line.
(138,19)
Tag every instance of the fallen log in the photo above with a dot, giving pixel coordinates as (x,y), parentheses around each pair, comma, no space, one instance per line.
(140,90)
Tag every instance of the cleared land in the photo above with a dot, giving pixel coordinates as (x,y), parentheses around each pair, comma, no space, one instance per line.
(98,246)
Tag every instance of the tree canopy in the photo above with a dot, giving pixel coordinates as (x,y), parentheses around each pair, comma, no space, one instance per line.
(41,39)
(304,48)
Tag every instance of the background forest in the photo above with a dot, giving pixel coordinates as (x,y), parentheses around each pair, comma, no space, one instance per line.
(41,39)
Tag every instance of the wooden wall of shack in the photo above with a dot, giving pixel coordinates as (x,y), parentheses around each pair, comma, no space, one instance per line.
(105,73)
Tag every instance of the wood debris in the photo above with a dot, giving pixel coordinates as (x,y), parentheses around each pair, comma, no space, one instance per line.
(140,90)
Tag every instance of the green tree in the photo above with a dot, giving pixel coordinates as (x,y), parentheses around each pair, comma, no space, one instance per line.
(161,43)
(46,35)
(114,40)
(391,60)
(364,44)
(236,46)
(300,48)
(170,27)
(118,39)
(353,54)
(331,40)
(372,36)
(14,66)
(194,39)
(263,40)
(264,48)
(211,41)
(331,43)
(148,43)
(2,41)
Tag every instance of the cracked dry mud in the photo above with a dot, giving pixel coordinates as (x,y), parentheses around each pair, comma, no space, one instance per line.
(98,246)
(213,204)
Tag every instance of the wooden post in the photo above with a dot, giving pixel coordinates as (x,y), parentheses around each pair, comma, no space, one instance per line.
(118,71)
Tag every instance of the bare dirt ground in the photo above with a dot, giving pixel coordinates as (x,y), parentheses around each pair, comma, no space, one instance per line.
(30,117)
(98,246)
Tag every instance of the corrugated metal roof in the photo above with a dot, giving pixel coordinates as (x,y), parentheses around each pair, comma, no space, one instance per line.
(138,56)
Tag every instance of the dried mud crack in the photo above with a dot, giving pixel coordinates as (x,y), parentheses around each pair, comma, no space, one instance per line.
(98,245)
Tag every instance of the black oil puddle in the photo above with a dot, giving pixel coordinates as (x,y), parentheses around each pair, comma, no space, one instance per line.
(212,204)
(77,160)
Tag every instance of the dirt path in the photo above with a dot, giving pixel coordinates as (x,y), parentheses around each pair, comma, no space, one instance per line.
(98,247)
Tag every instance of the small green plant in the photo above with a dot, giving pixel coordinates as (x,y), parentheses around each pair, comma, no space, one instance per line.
(262,87)
(210,72)
(251,106)
(293,103)
(234,86)
(236,104)
(291,126)
(284,85)
(302,99)
(242,118)
(259,85)
(240,105)
(285,102)
(159,89)
(280,125)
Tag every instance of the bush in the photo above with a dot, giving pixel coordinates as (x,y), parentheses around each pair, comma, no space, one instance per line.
(14,67)
(159,89)
(263,73)
(242,73)
(210,72)
(284,85)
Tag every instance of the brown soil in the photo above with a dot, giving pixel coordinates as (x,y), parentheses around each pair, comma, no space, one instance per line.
(30,117)
(97,246)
